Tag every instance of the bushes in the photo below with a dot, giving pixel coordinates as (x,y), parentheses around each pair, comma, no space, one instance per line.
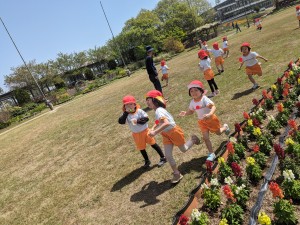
(173,45)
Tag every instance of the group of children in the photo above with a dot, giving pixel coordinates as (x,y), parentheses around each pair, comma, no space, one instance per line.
(172,134)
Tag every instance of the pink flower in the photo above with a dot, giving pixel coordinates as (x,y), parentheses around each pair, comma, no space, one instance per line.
(183,220)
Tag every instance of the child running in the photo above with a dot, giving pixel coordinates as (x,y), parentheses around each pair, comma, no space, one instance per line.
(137,120)
(205,48)
(207,120)
(225,47)
(258,24)
(164,70)
(252,65)
(171,133)
(298,13)
(218,54)
(205,66)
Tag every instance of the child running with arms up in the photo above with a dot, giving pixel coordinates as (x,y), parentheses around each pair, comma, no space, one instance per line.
(204,65)
(137,120)
(164,70)
(252,65)
(171,133)
(218,54)
(207,120)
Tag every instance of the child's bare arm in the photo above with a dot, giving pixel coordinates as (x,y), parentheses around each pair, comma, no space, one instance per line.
(212,111)
(260,57)
(186,113)
(159,128)
(242,63)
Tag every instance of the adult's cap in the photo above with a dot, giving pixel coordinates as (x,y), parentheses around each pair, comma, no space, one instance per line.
(149,48)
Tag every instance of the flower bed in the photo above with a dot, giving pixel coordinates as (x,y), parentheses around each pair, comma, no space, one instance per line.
(233,190)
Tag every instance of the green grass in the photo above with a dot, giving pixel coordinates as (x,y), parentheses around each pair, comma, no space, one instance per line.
(77,165)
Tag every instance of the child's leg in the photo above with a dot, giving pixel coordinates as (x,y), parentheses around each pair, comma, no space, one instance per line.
(167,81)
(214,83)
(144,154)
(158,150)
(211,85)
(250,76)
(170,158)
(223,129)
(222,68)
(207,141)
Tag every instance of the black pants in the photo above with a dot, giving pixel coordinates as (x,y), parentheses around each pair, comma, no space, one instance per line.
(156,84)
(212,85)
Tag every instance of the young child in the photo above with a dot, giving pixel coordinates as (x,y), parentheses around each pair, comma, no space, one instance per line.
(258,24)
(171,133)
(164,70)
(225,47)
(207,120)
(137,120)
(218,54)
(205,48)
(205,66)
(298,13)
(252,65)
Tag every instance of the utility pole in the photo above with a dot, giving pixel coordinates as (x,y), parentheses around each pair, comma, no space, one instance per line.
(47,102)
(128,71)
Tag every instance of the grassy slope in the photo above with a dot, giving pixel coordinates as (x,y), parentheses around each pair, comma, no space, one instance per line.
(76,165)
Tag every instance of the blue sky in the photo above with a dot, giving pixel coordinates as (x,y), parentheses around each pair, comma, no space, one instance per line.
(42,29)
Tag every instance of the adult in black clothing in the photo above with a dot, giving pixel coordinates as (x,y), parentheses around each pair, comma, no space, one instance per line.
(151,70)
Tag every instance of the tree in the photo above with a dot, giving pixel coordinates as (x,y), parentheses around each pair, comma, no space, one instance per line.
(22,96)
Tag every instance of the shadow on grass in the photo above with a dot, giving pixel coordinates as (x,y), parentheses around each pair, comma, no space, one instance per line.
(241,94)
(129,178)
(150,192)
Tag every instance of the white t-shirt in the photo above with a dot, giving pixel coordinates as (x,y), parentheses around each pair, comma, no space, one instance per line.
(225,44)
(161,113)
(204,47)
(135,116)
(298,13)
(204,64)
(201,106)
(216,53)
(250,59)
(164,69)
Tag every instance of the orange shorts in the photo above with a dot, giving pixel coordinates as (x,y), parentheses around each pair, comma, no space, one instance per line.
(298,17)
(219,60)
(165,76)
(209,74)
(211,124)
(259,26)
(174,136)
(252,70)
(225,49)
(142,138)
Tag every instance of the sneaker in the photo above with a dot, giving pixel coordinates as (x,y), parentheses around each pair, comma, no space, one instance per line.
(227,131)
(176,178)
(255,86)
(147,164)
(211,157)
(222,71)
(217,92)
(195,139)
(211,95)
(162,162)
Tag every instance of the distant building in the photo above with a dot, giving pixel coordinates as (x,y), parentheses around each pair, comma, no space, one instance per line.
(233,9)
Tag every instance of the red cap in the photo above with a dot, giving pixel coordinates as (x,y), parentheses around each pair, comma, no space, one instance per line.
(216,46)
(157,95)
(297,7)
(245,44)
(204,42)
(224,38)
(202,54)
(162,62)
(128,99)
(197,84)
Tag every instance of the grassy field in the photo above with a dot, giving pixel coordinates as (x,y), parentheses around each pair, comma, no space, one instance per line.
(77,165)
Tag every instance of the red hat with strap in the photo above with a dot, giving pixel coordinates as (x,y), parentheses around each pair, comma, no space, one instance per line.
(196,84)
(162,62)
(202,54)
(157,95)
(216,46)
(297,7)
(204,42)
(224,38)
(128,99)
(245,44)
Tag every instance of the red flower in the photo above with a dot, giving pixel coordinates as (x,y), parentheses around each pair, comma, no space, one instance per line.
(256,122)
(229,194)
(156,122)
(183,220)
(237,127)
(276,191)
(230,148)
(293,124)
(279,80)
(279,151)
(286,85)
(255,148)
(280,107)
(265,94)
(246,115)
(197,107)
(255,101)
(291,64)
(209,165)
(297,105)
(286,74)
(285,92)
(236,169)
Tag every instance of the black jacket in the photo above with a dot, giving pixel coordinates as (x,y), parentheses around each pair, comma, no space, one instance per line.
(151,70)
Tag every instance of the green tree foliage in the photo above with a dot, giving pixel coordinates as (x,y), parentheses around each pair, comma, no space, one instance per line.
(22,96)
(1,91)
(173,45)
